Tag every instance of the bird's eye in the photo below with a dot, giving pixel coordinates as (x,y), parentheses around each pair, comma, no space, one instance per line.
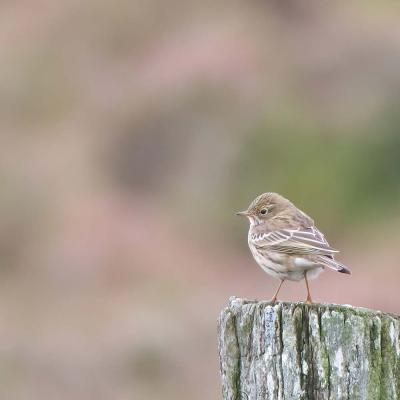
(263,211)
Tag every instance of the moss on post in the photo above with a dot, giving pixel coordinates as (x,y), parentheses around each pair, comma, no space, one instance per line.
(299,351)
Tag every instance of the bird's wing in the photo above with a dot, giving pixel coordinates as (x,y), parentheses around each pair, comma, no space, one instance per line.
(301,241)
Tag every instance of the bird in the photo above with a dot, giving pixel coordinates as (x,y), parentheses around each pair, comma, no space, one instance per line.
(285,242)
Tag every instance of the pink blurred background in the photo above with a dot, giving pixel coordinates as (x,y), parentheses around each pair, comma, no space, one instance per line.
(133,131)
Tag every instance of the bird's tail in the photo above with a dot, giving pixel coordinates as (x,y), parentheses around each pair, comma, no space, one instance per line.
(331,263)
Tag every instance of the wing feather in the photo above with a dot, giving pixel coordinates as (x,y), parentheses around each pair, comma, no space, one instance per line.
(301,241)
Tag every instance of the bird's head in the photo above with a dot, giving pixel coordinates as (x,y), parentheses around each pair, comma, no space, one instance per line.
(265,207)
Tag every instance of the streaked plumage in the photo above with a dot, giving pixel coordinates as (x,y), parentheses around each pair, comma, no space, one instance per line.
(285,242)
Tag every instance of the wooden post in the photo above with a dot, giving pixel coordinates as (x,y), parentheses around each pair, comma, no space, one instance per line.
(299,351)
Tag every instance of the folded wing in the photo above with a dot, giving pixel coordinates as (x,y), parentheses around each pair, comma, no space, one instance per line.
(302,241)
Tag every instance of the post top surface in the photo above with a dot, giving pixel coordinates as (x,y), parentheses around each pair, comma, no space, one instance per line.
(235,303)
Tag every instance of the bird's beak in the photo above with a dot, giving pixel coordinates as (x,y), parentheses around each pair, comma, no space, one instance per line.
(243,213)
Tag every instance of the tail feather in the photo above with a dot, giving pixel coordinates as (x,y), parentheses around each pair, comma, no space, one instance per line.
(335,265)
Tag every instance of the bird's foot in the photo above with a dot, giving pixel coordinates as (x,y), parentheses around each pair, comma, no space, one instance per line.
(273,300)
(308,300)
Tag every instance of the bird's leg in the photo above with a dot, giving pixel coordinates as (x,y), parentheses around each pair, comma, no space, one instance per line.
(273,300)
(308,300)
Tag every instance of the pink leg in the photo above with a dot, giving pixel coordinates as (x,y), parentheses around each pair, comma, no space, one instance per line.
(309,299)
(273,300)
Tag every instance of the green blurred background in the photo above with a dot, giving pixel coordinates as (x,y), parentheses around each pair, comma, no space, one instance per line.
(131,133)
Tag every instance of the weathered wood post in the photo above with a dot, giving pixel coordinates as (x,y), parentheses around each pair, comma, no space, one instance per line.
(299,351)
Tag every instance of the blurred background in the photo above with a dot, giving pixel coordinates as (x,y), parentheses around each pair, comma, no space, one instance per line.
(132,131)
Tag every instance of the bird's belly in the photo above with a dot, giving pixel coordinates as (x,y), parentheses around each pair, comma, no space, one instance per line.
(304,265)
(273,264)
(283,266)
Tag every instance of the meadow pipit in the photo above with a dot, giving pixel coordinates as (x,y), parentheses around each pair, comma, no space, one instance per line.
(285,242)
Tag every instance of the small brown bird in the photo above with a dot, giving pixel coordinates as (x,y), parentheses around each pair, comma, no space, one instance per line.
(285,242)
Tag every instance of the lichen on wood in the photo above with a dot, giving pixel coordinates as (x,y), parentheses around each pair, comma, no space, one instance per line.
(300,351)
